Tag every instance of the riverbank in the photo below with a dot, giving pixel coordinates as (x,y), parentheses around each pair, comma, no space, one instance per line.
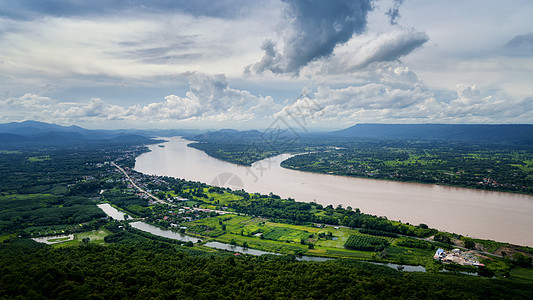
(475,213)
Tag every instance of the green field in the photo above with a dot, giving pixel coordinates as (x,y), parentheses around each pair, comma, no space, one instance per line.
(38,158)
(258,233)
(95,236)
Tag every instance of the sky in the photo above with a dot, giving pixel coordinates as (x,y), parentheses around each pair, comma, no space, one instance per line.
(307,64)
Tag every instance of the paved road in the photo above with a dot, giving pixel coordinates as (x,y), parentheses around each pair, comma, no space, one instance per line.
(136,186)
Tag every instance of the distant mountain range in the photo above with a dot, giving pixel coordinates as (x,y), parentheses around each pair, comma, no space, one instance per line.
(33,133)
(497,134)
(226,135)
(513,134)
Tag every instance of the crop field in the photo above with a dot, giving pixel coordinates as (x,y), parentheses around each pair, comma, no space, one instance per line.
(258,233)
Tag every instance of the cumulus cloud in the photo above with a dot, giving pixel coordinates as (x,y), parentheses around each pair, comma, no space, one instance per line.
(399,96)
(472,104)
(209,98)
(311,30)
(29,101)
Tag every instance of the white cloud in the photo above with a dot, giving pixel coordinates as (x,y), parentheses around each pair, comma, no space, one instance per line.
(209,98)
(126,59)
(130,45)
(400,97)
(29,101)
(385,47)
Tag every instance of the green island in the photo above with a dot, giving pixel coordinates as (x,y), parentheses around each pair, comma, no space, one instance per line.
(91,255)
(494,167)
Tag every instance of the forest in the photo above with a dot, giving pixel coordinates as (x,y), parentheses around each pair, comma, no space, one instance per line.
(139,268)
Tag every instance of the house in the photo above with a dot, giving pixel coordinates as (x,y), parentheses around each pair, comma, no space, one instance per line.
(438,253)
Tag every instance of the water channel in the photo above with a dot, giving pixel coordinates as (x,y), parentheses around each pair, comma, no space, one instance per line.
(498,216)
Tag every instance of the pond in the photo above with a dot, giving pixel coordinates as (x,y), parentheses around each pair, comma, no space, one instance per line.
(112,212)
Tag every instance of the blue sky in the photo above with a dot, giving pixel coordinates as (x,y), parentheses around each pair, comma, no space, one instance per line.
(246,64)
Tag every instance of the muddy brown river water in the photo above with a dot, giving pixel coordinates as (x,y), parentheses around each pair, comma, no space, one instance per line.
(498,216)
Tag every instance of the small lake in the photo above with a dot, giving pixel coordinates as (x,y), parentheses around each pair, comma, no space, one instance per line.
(497,216)
(112,212)
(55,239)
(164,232)
(405,268)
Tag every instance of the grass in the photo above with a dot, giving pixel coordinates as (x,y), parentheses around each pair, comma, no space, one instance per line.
(265,245)
(38,158)
(410,256)
(95,236)
(9,152)
(522,273)
(223,199)
(6,237)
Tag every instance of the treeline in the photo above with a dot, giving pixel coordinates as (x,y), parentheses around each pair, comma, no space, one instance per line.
(142,270)
(290,211)
(411,243)
(378,232)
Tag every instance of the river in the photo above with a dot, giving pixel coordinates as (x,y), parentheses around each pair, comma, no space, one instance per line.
(498,216)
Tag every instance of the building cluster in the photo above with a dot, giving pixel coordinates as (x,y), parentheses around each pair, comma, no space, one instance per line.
(174,217)
(466,258)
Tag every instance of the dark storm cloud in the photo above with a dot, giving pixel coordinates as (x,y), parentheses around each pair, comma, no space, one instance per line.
(311,30)
(394,11)
(521,40)
(66,8)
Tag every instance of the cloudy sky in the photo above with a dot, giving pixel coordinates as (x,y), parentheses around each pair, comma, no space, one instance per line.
(248,64)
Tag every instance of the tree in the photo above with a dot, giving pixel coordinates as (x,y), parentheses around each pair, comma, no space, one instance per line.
(520,259)
(443,238)
(470,244)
